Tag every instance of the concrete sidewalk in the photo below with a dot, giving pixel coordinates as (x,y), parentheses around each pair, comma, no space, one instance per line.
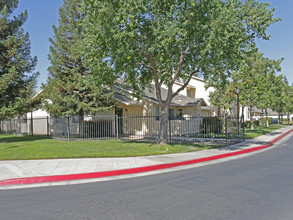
(57,167)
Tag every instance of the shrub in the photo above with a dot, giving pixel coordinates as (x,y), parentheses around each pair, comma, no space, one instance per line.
(98,129)
(255,123)
(247,124)
(264,120)
(212,125)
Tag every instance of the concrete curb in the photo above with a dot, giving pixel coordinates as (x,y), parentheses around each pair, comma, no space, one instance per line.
(69,177)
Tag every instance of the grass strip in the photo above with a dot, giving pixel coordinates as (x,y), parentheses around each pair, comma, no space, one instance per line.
(260,130)
(37,147)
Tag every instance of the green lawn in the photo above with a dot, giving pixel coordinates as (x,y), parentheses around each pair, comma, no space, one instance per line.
(27,147)
(37,147)
(261,130)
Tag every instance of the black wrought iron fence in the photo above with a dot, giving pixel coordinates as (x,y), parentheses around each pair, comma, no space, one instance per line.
(90,127)
(135,128)
(185,129)
(32,126)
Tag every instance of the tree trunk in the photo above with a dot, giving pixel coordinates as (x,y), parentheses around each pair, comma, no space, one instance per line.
(238,116)
(219,110)
(267,118)
(251,121)
(279,117)
(288,117)
(18,128)
(163,133)
(81,125)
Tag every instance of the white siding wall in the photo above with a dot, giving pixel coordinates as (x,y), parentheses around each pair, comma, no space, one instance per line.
(200,91)
(39,113)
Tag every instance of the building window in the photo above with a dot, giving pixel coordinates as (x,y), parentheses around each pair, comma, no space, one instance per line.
(171,114)
(157,113)
(190,92)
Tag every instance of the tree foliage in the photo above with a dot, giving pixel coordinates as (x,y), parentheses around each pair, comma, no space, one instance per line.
(279,93)
(163,42)
(255,81)
(16,64)
(288,99)
(72,89)
(222,96)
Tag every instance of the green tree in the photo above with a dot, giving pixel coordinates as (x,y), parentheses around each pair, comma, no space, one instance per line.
(161,42)
(221,97)
(71,88)
(268,69)
(253,81)
(17,81)
(288,98)
(246,80)
(278,96)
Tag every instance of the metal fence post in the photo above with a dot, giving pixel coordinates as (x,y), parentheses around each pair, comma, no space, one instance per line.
(117,129)
(226,129)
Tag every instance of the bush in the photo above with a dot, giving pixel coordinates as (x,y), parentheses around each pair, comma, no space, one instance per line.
(247,124)
(254,122)
(264,120)
(212,125)
(98,129)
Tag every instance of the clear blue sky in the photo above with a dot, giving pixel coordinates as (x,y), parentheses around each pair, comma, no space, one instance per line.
(44,13)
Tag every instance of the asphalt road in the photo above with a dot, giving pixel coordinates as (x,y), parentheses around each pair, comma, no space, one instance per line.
(256,187)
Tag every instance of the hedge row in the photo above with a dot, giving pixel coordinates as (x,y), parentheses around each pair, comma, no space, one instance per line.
(256,122)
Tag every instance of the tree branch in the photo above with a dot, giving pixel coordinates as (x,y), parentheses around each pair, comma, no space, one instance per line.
(186,83)
(152,68)
(183,54)
(148,66)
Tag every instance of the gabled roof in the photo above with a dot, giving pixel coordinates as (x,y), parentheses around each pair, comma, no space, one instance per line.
(270,111)
(124,97)
(123,94)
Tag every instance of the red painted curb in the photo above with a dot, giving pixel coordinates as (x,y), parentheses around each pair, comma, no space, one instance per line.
(281,136)
(44,179)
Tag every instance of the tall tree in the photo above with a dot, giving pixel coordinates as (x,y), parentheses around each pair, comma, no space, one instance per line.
(288,99)
(278,95)
(221,97)
(254,79)
(267,73)
(16,64)
(167,41)
(71,88)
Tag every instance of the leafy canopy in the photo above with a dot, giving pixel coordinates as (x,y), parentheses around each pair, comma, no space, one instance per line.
(72,88)
(163,42)
(167,41)
(16,64)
